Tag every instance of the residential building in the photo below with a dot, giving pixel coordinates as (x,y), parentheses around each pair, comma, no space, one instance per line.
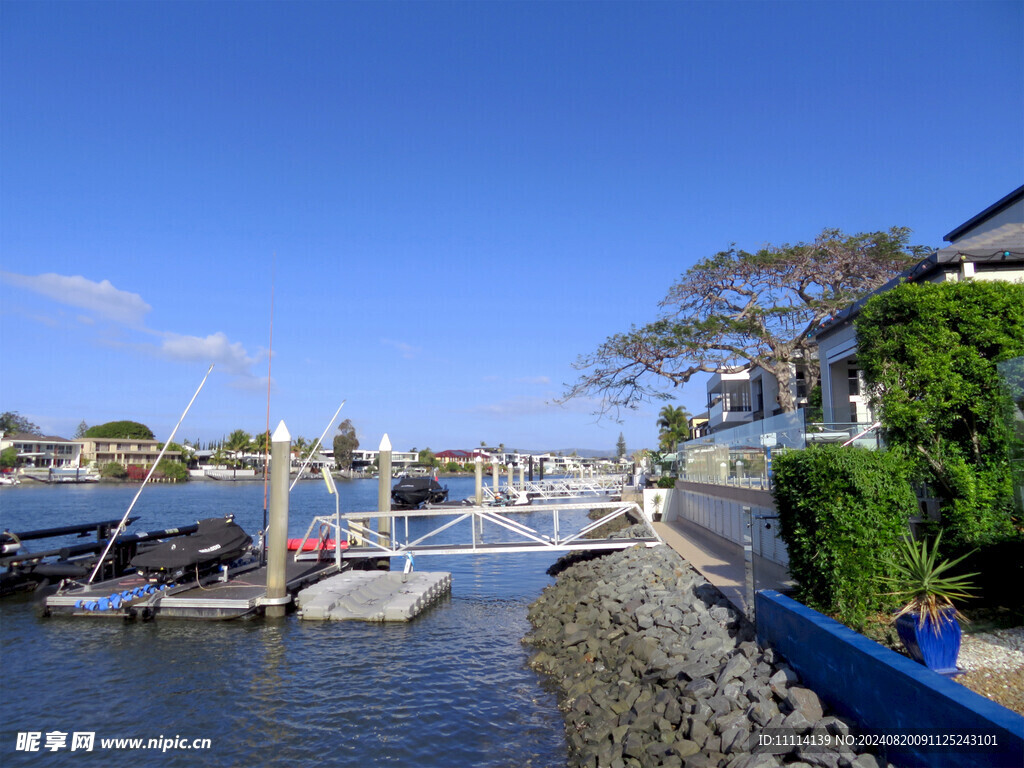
(123,450)
(745,394)
(464,458)
(400,460)
(42,451)
(988,246)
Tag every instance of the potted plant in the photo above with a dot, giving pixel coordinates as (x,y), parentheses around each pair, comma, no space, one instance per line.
(656,502)
(928,624)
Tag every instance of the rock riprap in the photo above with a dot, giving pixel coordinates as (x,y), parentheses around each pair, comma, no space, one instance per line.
(656,668)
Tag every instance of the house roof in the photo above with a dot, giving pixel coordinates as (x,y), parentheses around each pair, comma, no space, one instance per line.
(988,213)
(25,437)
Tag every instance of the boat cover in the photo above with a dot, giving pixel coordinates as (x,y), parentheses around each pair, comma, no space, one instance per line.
(217,539)
(413,491)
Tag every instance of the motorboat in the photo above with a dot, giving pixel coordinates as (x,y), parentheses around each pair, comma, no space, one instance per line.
(414,492)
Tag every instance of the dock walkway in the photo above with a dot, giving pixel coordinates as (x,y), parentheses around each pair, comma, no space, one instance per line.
(721,561)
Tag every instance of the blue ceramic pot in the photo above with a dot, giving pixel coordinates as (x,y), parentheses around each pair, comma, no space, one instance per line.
(934,645)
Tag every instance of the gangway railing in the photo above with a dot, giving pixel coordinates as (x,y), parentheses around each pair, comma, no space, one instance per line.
(365,542)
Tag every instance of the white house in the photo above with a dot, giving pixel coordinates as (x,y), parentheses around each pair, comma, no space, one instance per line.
(988,246)
(43,452)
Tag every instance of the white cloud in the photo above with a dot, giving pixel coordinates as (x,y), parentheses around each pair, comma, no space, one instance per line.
(514,408)
(409,352)
(533,380)
(101,298)
(215,348)
(105,301)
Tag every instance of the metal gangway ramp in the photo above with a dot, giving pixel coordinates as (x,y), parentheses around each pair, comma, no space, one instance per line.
(469,523)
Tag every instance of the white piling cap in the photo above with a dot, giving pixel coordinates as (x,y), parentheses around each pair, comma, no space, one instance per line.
(385,443)
(281,434)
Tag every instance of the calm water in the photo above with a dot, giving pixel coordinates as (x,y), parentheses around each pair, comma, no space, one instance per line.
(447,689)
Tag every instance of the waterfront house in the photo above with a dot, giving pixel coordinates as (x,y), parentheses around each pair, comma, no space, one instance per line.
(43,452)
(363,460)
(988,246)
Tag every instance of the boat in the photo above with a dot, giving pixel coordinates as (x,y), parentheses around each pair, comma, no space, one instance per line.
(414,492)
(217,541)
(25,570)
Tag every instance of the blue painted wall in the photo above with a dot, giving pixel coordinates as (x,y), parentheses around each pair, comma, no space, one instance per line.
(884,691)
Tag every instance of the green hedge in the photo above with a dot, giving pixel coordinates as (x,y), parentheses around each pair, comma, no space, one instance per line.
(173,470)
(841,513)
(114,470)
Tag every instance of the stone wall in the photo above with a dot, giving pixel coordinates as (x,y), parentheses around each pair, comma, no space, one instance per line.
(655,668)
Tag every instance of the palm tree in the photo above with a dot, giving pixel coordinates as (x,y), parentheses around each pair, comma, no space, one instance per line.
(238,442)
(673,426)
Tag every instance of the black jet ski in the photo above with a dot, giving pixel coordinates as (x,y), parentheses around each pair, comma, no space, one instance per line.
(413,492)
(217,541)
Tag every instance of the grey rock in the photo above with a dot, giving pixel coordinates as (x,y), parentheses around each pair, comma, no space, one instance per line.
(737,666)
(866,760)
(797,721)
(819,757)
(735,739)
(762,712)
(805,701)
(699,688)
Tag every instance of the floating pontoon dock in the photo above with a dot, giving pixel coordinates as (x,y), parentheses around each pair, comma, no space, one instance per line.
(372,595)
(240,592)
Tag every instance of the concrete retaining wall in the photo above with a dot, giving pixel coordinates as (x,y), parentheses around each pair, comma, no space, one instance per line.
(719,508)
(885,692)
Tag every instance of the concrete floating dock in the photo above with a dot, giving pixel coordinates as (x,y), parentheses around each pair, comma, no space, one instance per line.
(372,595)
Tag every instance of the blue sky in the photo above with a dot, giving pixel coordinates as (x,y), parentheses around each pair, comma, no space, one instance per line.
(448,201)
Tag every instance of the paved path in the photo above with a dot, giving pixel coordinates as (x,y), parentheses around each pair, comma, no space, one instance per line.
(720,561)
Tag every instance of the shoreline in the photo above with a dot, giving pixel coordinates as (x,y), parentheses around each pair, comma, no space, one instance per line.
(654,667)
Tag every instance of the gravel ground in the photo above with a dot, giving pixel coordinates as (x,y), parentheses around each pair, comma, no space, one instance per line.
(994,664)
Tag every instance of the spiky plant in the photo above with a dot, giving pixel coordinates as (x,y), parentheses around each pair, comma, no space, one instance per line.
(925,583)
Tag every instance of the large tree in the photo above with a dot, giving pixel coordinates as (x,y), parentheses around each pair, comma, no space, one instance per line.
(739,309)
(345,442)
(930,354)
(12,423)
(123,430)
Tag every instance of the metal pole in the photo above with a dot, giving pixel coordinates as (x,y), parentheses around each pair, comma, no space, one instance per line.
(277,535)
(511,480)
(152,469)
(748,560)
(494,472)
(384,490)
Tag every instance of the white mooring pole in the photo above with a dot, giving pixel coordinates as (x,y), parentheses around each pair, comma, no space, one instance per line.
(277,534)
(479,480)
(384,491)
